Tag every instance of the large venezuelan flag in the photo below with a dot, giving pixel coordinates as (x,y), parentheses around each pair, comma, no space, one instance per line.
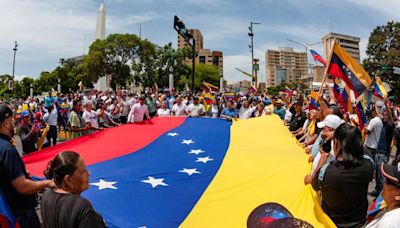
(343,66)
(192,172)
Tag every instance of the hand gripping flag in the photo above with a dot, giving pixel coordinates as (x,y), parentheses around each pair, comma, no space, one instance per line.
(380,90)
(343,66)
(192,172)
(317,57)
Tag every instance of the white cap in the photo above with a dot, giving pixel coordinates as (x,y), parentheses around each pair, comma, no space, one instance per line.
(379,103)
(332,121)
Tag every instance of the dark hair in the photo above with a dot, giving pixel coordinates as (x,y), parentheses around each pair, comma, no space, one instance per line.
(63,164)
(75,102)
(351,144)
(336,111)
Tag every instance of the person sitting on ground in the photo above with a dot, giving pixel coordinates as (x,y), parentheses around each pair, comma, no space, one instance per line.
(391,195)
(163,111)
(229,112)
(196,109)
(29,134)
(139,111)
(344,182)
(63,206)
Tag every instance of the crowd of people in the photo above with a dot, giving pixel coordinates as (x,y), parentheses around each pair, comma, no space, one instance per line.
(345,156)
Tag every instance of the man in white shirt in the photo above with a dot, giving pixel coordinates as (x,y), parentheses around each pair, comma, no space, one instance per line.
(90,116)
(50,117)
(179,109)
(138,111)
(196,109)
(391,195)
(373,132)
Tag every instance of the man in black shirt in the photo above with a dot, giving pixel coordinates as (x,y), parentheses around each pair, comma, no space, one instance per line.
(28,134)
(16,185)
(299,118)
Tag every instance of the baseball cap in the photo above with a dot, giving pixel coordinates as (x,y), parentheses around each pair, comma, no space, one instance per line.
(391,172)
(5,112)
(332,121)
(24,113)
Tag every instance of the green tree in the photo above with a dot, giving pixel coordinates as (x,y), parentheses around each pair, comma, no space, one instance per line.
(113,56)
(203,73)
(383,53)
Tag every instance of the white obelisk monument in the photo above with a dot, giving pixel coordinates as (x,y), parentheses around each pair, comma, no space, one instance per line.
(102,84)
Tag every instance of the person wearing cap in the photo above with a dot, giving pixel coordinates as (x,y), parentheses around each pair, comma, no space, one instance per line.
(114,109)
(169,98)
(383,147)
(15,184)
(196,109)
(29,134)
(298,118)
(279,110)
(391,196)
(139,111)
(344,182)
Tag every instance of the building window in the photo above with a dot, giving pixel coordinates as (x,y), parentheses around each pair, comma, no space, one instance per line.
(202,59)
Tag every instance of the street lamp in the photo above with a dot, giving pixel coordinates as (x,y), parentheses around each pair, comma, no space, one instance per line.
(306,46)
(11,85)
(251,46)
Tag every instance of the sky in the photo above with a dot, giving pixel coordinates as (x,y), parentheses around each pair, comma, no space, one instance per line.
(47,30)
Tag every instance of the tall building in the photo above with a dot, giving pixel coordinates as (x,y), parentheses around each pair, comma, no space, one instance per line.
(350,43)
(285,65)
(204,55)
(198,37)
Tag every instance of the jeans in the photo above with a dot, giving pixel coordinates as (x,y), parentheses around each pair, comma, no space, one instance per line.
(27,218)
(52,135)
(380,158)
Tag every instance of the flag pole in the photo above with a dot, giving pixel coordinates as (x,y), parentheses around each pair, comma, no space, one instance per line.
(327,67)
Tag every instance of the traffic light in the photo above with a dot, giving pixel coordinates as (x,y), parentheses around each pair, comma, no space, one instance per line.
(180,27)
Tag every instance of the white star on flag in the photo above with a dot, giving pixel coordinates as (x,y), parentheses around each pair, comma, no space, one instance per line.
(104,184)
(187,142)
(172,134)
(155,181)
(204,159)
(196,152)
(189,171)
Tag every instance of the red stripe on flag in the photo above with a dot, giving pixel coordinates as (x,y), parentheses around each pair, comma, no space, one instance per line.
(105,144)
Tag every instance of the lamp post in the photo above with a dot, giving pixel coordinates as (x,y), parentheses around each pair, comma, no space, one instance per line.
(31,90)
(309,73)
(11,85)
(251,46)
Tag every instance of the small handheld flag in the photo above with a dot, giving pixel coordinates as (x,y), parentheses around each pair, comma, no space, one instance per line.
(380,90)
(317,57)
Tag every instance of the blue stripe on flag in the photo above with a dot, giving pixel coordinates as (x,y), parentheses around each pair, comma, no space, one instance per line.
(135,203)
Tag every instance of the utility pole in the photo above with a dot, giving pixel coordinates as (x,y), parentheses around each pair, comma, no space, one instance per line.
(251,46)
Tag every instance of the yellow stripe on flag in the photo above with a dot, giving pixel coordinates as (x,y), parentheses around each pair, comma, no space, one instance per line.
(265,166)
(353,65)
(381,86)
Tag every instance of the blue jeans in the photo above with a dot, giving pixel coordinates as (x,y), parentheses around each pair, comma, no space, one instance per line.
(380,158)
(27,218)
